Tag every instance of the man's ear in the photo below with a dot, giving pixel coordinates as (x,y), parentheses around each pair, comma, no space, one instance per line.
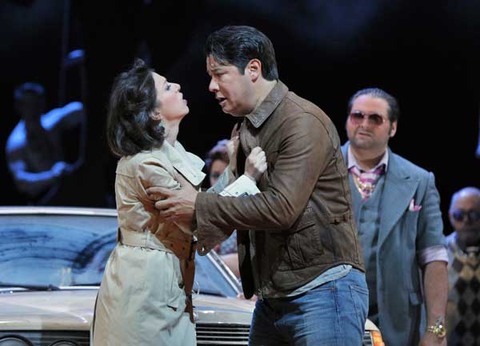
(254,69)
(393,129)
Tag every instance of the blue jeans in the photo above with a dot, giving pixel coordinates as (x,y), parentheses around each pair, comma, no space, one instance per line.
(332,314)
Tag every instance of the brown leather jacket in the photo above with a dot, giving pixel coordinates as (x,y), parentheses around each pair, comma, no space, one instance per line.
(303,217)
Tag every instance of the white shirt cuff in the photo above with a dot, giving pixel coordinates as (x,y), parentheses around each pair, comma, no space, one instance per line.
(433,253)
(243,186)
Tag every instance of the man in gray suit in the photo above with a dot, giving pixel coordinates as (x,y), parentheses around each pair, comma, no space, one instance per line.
(396,208)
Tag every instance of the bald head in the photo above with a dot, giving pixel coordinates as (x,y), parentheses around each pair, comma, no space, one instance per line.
(464,215)
(466,193)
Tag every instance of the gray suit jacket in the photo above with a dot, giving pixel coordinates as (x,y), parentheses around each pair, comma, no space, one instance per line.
(403,233)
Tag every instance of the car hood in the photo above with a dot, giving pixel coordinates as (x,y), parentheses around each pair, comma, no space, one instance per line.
(73,310)
(67,310)
(210,309)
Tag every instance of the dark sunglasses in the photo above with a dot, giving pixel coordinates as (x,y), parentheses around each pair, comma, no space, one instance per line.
(459,215)
(357,117)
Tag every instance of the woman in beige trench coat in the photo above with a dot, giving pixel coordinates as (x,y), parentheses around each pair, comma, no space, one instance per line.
(142,299)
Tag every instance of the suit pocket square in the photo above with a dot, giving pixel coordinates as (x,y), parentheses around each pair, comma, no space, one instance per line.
(413,207)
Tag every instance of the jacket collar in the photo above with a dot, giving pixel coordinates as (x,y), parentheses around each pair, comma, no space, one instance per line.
(396,172)
(268,105)
(188,164)
(352,161)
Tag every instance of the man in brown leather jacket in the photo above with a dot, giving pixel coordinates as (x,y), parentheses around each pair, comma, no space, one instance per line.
(297,241)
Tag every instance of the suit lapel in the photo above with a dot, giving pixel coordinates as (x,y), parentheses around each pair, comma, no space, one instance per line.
(399,190)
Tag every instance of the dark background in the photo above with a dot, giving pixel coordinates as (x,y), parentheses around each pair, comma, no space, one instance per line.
(426,53)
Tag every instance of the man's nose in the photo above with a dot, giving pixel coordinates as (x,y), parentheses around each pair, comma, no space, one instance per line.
(366,121)
(213,86)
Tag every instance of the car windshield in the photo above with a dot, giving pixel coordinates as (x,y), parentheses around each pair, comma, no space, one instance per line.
(44,252)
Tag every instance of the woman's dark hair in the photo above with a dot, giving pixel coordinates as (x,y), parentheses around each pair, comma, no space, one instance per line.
(237,45)
(130,129)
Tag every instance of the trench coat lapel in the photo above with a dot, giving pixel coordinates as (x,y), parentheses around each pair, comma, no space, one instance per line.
(188,164)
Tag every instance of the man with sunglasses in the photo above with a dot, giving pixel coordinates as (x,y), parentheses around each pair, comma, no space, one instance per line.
(463,245)
(396,208)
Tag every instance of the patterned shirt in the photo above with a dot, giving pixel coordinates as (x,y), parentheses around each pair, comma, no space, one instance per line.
(366,180)
(463,308)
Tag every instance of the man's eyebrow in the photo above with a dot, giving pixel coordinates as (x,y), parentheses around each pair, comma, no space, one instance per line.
(215,69)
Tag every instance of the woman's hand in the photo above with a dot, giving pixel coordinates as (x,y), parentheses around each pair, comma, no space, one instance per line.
(256,164)
(232,148)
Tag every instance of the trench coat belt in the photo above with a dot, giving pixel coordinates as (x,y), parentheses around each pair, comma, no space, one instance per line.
(141,239)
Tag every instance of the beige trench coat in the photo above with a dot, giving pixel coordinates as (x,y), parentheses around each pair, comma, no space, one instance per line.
(141,300)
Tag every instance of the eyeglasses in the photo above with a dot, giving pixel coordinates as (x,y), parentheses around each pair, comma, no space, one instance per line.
(459,215)
(357,118)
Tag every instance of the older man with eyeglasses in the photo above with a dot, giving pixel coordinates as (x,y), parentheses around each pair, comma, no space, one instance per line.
(396,208)
(463,245)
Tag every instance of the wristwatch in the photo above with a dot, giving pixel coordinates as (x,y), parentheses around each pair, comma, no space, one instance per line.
(438,329)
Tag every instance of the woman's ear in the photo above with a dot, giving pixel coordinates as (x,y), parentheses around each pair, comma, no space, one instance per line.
(156,115)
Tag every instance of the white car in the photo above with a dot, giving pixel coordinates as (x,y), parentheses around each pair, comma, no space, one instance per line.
(51,264)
